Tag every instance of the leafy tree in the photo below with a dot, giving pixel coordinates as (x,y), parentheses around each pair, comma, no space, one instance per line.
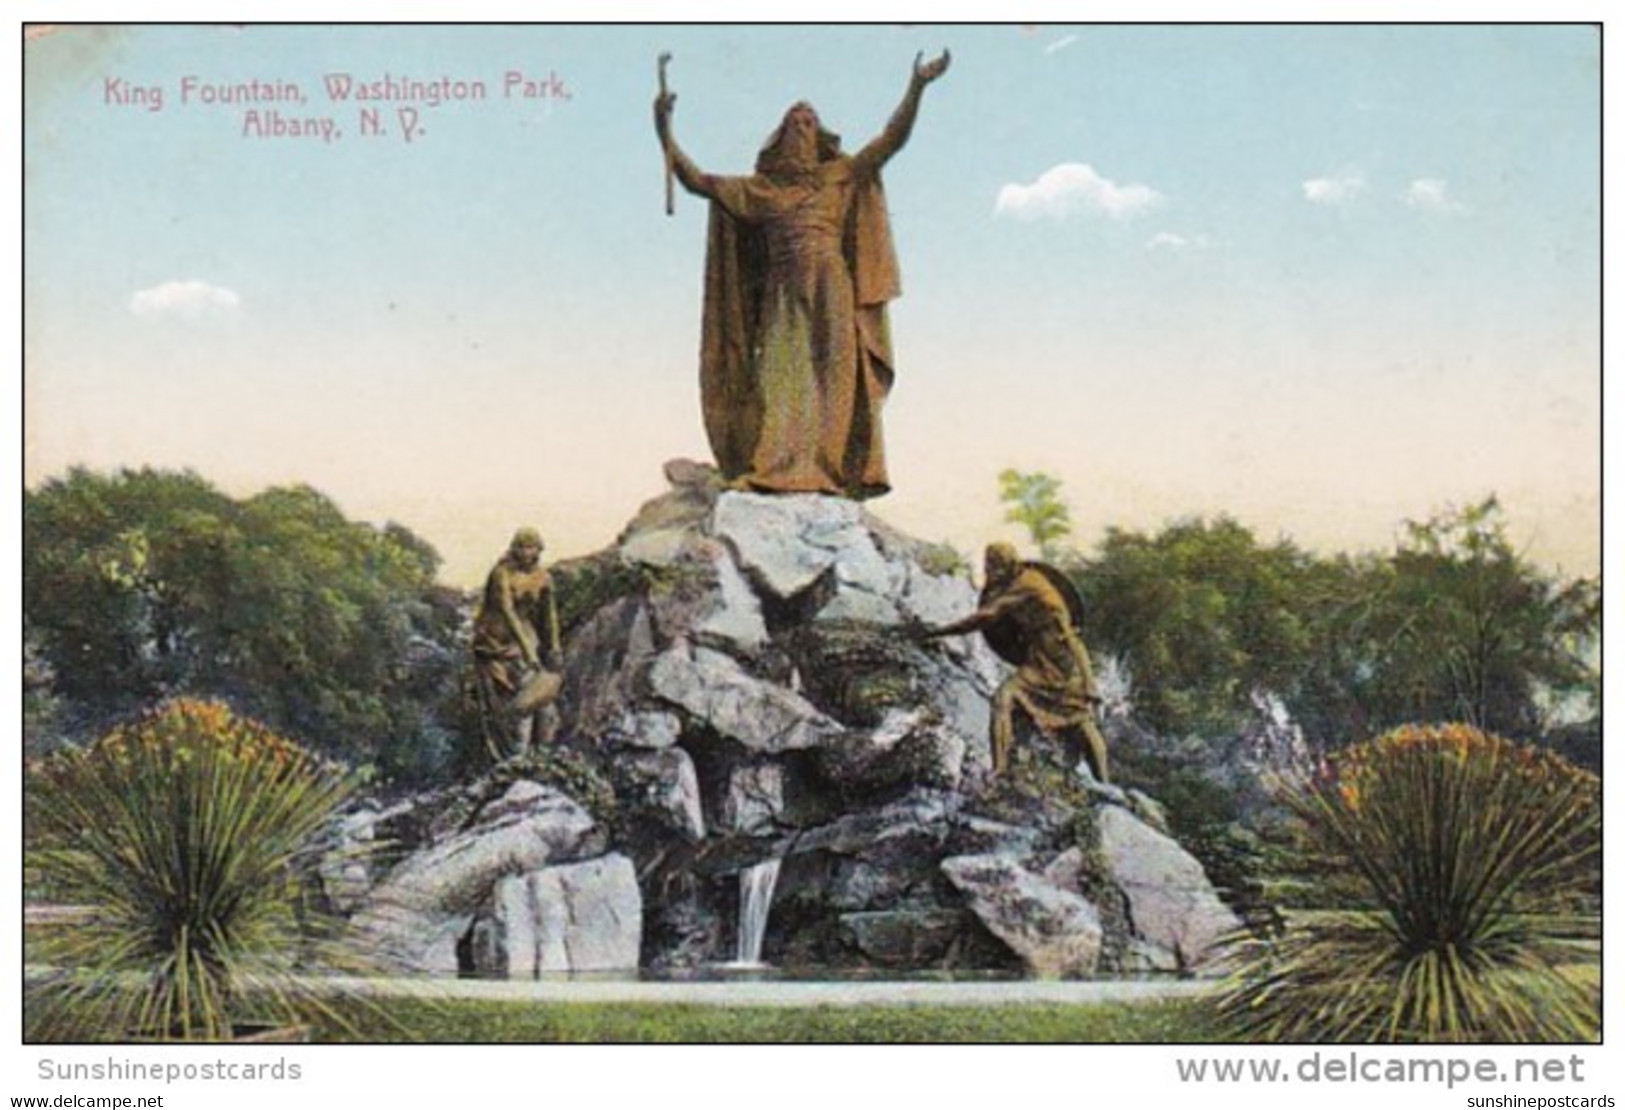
(150,584)
(1035,503)
(1454,626)
(1201,614)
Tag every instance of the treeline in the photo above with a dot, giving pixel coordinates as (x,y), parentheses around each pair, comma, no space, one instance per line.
(148,584)
(1453,625)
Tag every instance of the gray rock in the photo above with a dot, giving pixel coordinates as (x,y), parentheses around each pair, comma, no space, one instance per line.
(786,542)
(1141,957)
(681,509)
(648,728)
(663,787)
(414,918)
(968,712)
(1107,792)
(1056,933)
(975,835)
(924,814)
(601,662)
(935,598)
(754,802)
(661,547)
(699,594)
(736,619)
(344,867)
(1171,903)
(874,859)
(903,938)
(569,919)
(866,585)
(716,691)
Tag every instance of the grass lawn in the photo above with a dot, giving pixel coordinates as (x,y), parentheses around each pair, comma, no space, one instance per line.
(1176,1021)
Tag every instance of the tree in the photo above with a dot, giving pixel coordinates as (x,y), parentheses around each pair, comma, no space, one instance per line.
(1035,503)
(1201,614)
(1461,627)
(150,584)
(1453,625)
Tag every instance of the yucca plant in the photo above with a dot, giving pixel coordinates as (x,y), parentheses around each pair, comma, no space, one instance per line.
(186,834)
(1464,849)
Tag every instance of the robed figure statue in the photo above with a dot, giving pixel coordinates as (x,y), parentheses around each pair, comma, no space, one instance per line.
(795,352)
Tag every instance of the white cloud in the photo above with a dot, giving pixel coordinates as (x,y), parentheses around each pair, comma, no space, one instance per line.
(189,300)
(1169,241)
(1334,191)
(1072,188)
(1060,44)
(1432,194)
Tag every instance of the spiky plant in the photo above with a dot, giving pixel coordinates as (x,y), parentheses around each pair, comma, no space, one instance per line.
(185,833)
(1464,848)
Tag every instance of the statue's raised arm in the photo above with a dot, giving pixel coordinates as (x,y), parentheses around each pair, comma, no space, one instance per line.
(901,124)
(687,173)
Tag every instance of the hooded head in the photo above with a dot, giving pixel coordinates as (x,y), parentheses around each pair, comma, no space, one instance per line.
(1000,564)
(800,142)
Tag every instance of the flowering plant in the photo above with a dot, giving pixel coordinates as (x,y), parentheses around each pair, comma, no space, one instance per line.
(184,833)
(1463,847)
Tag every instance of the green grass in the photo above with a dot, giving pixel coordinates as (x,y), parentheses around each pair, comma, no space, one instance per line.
(462,1021)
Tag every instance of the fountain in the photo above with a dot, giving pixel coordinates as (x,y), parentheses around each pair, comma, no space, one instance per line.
(756,885)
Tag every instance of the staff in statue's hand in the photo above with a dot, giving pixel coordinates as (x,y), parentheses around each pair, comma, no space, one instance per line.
(666,100)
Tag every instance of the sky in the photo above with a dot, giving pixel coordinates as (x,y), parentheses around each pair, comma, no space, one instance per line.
(1323,279)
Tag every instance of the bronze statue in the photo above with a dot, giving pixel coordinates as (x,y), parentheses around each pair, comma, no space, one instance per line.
(795,353)
(1029,614)
(516,649)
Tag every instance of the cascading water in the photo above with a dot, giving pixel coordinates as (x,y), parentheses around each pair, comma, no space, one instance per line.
(755,900)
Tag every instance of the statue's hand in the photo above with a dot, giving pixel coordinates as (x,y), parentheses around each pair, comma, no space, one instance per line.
(916,629)
(664,104)
(926,72)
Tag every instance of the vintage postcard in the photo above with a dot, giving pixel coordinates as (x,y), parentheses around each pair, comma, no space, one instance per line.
(615,533)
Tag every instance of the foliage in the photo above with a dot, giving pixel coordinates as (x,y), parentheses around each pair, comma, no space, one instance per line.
(1465,846)
(567,770)
(150,584)
(582,587)
(1201,614)
(1035,504)
(1452,625)
(185,831)
(1458,626)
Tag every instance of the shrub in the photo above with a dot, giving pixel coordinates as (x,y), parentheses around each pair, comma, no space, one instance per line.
(185,832)
(1464,846)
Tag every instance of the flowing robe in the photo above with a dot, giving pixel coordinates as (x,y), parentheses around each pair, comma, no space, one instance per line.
(796,356)
(516,630)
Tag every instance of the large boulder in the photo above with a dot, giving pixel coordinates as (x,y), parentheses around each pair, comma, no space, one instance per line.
(578,917)
(662,787)
(1056,933)
(716,691)
(1171,904)
(419,915)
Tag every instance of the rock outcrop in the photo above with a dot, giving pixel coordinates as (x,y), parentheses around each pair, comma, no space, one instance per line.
(741,671)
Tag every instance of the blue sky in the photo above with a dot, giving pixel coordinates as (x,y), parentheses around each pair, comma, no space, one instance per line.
(1322,278)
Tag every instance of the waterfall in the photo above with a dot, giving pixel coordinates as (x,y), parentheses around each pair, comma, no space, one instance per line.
(755,900)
